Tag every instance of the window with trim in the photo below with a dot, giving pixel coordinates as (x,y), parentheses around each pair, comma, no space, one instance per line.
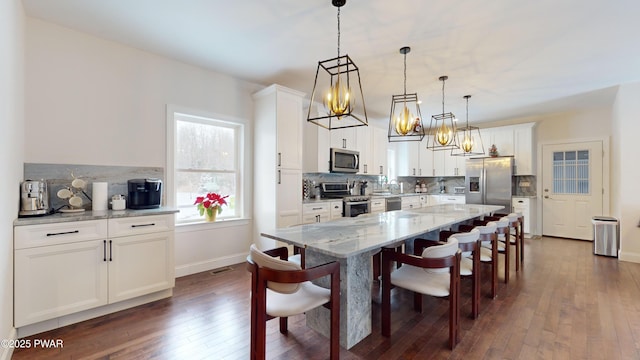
(207,158)
(571,172)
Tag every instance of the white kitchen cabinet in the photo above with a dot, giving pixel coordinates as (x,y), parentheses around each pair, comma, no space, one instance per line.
(378,205)
(527,207)
(64,268)
(451,199)
(277,173)
(336,209)
(501,137)
(411,202)
(365,147)
(316,212)
(345,138)
(140,256)
(424,201)
(524,149)
(380,143)
(413,159)
(426,161)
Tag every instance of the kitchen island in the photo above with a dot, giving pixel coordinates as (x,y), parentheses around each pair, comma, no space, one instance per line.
(352,242)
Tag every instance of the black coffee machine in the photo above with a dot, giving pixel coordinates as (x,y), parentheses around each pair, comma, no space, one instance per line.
(144,193)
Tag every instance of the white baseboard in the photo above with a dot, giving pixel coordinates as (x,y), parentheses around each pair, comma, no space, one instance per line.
(7,352)
(194,268)
(629,256)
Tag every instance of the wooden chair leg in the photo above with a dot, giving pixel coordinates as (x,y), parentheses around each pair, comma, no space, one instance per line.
(517,238)
(494,269)
(417,302)
(507,245)
(284,325)
(522,241)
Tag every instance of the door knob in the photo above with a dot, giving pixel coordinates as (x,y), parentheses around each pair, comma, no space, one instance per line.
(546,196)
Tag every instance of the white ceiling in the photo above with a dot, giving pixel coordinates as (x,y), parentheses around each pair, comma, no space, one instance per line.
(516,58)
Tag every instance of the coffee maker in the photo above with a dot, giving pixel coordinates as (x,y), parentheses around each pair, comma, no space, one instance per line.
(144,193)
(34,198)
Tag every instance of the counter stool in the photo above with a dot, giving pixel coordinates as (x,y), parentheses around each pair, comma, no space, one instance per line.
(517,237)
(502,229)
(487,237)
(469,244)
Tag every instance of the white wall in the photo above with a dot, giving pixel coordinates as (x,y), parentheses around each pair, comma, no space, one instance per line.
(97,102)
(11,157)
(627,172)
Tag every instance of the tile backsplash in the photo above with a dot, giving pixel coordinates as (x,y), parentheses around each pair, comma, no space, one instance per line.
(59,176)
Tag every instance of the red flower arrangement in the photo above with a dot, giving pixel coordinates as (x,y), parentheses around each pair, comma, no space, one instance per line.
(210,203)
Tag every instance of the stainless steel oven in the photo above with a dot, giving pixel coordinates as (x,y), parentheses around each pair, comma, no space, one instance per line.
(356,205)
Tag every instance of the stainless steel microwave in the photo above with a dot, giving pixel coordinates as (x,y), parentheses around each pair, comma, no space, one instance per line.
(344,161)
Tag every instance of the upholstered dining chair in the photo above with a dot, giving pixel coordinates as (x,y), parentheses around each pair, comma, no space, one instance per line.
(281,288)
(516,222)
(433,269)
(469,244)
(503,227)
(488,238)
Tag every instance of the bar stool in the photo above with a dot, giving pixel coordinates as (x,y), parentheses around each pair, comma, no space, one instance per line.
(469,244)
(517,237)
(502,230)
(487,237)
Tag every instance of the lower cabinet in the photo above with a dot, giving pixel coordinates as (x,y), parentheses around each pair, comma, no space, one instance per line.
(64,268)
(411,202)
(336,209)
(317,212)
(378,205)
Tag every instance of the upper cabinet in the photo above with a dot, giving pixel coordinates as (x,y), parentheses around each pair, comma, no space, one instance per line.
(524,149)
(370,141)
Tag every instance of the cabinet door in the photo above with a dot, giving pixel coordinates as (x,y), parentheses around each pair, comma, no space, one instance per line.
(380,145)
(524,151)
(289,193)
(57,280)
(426,162)
(289,128)
(363,141)
(439,163)
(502,138)
(344,138)
(408,159)
(336,209)
(140,264)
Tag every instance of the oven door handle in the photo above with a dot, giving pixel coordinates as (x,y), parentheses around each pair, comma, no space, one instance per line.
(352,203)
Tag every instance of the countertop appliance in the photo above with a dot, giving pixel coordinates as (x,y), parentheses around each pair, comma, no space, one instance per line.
(34,198)
(488,181)
(144,193)
(344,161)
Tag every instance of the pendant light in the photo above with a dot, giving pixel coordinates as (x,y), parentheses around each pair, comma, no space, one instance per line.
(342,108)
(405,122)
(469,138)
(442,129)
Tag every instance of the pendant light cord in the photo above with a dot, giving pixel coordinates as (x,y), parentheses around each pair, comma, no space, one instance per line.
(443,80)
(338,38)
(467,113)
(405,77)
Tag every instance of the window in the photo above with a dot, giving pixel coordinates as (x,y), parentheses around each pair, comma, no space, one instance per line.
(206,157)
(571,172)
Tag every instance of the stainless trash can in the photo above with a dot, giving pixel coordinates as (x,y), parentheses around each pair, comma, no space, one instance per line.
(605,236)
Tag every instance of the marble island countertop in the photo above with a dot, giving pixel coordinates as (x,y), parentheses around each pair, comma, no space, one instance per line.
(345,237)
(91,215)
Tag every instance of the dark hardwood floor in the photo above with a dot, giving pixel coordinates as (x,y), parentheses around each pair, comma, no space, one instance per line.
(565,303)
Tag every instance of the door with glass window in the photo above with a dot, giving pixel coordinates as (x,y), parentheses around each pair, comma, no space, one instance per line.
(572,190)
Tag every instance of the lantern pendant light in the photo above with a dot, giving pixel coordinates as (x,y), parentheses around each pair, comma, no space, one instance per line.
(468,138)
(405,122)
(340,107)
(442,129)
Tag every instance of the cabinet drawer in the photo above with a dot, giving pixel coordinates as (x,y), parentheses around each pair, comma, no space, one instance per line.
(308,209)
(59,233)
(140,225)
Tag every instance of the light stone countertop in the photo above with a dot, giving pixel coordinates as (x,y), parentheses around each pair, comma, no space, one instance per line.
(346,236)
(91,215)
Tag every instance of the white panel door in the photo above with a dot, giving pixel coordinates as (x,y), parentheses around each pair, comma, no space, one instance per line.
(572,189)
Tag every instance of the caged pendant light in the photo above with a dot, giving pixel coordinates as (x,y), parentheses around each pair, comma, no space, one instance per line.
(442,129)
(405,122)
(468,138)
(341,105)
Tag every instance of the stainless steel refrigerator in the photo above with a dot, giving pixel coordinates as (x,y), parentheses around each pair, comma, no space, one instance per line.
(488,181)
